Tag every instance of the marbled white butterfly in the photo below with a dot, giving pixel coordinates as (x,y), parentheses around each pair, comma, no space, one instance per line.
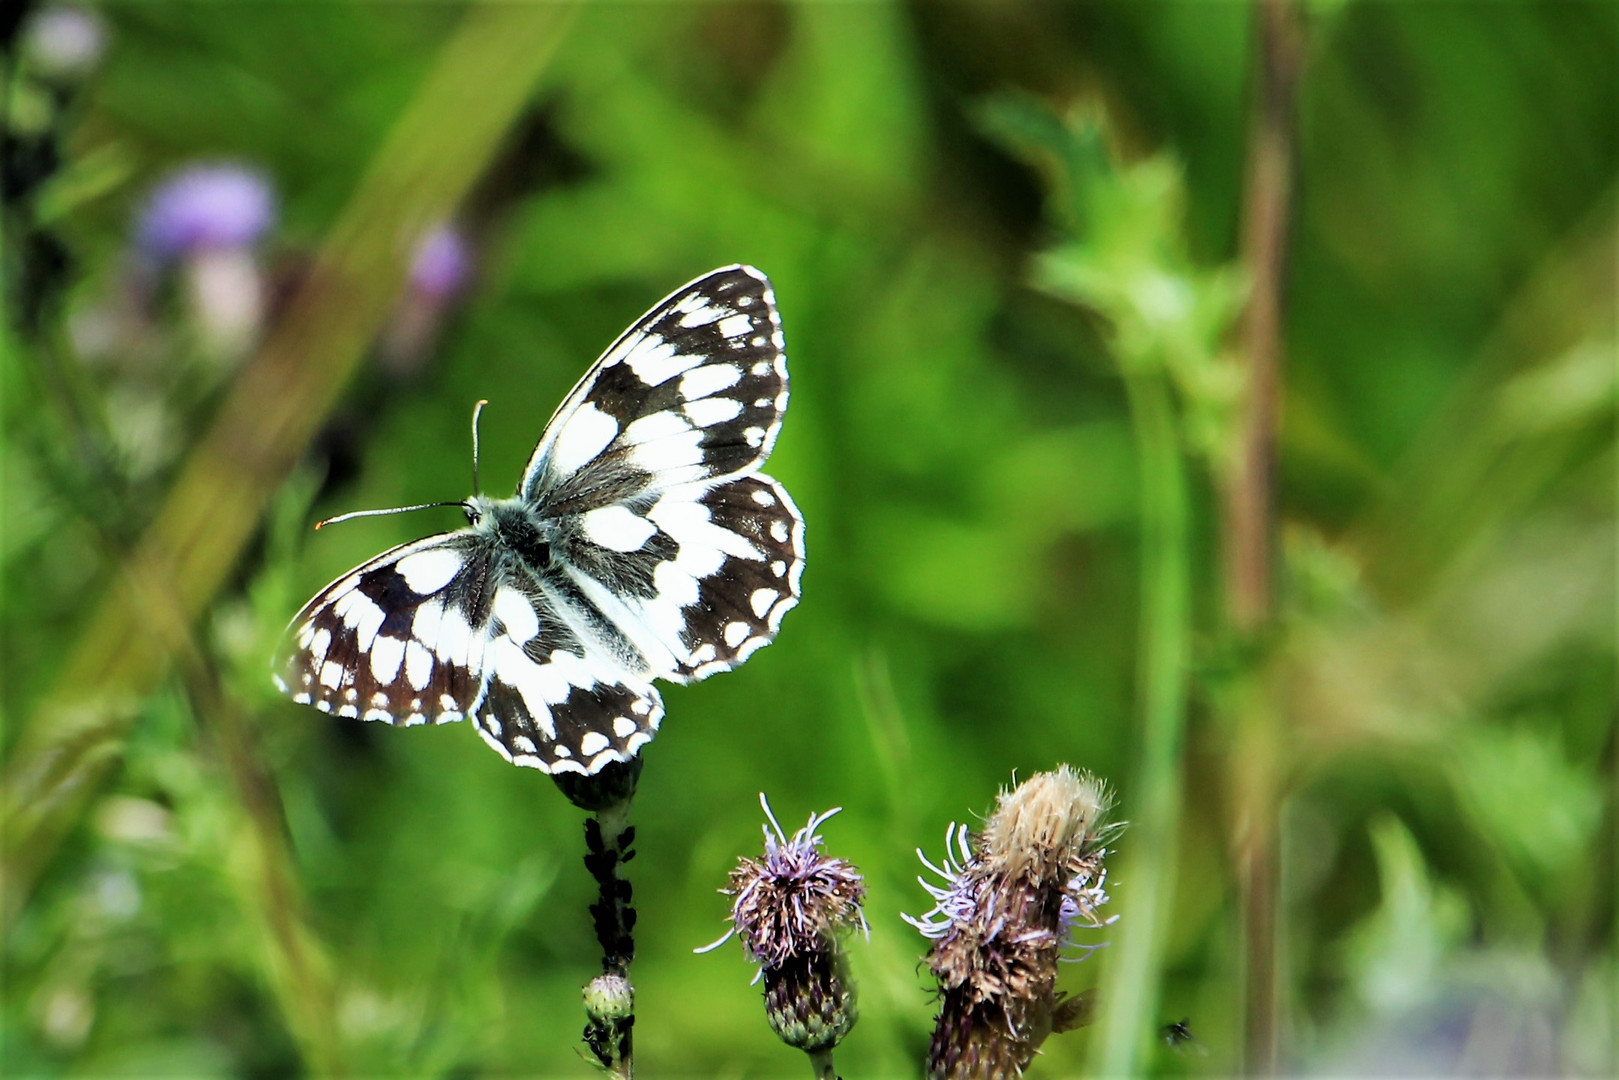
(642,543)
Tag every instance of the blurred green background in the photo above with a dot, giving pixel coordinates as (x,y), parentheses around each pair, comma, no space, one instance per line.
(1008,244)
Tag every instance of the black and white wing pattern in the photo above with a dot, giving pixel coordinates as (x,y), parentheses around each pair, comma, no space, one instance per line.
(642,543)
(395,639)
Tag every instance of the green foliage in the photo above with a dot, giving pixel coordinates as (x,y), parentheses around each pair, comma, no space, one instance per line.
(987,225)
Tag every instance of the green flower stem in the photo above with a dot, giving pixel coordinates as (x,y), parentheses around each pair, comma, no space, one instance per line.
(1130,990)
(611,1034)
(821,1062)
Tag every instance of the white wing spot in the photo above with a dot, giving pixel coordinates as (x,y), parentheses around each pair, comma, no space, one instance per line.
(525,744)
(671,452)
(584,434)
(593,743)
(386,655)
(735,326)
(657,361)
(778,531)
(703,381)
(697,312)
(453,639)
(318,647)
(428,571)
(736,633)
(624,727)
(660,425)
(514,610)
(331,674)
(617,528)
(763,497)
(418,665)
(714,410)
(761,600)
(754,435)
(778,567)
(761,368)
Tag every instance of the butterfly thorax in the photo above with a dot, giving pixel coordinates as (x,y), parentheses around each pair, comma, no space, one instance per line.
(514,524)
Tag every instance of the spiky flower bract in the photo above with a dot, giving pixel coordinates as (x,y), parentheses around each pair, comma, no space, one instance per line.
(1012,897)
(791,909)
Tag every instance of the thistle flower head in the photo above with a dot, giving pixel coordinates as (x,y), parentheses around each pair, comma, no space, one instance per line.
(441,263)
(791,908)
(1011,901)
(795,899)
(205,208)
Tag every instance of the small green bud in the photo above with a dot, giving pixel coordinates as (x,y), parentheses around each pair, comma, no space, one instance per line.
(609,999)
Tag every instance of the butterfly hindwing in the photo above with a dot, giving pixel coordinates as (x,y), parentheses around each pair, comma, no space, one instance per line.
(554,699)
(709,584)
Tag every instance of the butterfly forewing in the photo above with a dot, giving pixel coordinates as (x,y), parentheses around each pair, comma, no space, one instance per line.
(399,639)
(693,391)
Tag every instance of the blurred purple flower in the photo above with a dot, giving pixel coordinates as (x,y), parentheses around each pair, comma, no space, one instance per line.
(64,42)
(205,208)
(441,264)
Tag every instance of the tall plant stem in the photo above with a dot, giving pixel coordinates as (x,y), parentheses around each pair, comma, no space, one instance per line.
(1248,522)
(295,963)
(1130,989)
(610,1033)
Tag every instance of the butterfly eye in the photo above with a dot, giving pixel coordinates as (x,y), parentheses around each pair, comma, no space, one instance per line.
(473,516)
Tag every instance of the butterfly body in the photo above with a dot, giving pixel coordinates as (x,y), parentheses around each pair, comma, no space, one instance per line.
(642,543)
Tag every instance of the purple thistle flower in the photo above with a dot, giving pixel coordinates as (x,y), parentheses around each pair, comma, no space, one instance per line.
(441,264)
(791,909)
(205,208)
(1011,900)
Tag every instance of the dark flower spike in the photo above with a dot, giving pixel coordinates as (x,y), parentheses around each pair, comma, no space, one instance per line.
(1011,900)
(791,909)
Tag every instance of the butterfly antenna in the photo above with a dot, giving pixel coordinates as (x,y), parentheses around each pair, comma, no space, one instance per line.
(380,513)
(477,410)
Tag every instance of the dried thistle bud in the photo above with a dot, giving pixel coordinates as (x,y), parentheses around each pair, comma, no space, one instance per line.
(1012,897)
(791,909)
